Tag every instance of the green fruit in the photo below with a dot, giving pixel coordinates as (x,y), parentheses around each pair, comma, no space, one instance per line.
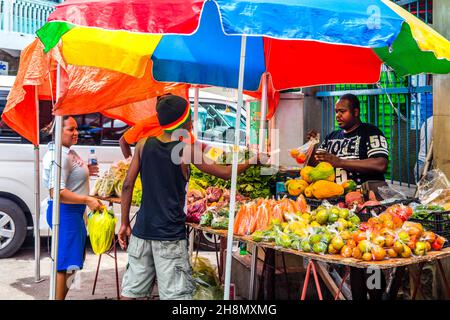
(315,238)
(342,224)
(326,238)
(337,243)
(320,247)
(322,217)
(355,220)
(333,217)
(296,245)
(258,236)
(344,213)
(306,247)
(403,236)
(335,210)
(420,249)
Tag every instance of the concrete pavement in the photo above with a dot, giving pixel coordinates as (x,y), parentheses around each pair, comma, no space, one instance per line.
(17,276)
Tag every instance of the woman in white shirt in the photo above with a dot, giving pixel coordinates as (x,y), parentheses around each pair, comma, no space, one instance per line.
(74,197)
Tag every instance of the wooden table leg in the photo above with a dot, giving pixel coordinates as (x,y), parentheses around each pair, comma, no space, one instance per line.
(444,277)
(417,282)
(253,273)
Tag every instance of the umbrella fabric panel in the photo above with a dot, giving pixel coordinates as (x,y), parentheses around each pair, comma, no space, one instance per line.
(120,51)
(426,37)
(155,16)
(208,57)
(306,63)
(371,23)
(405,56)
(368,23)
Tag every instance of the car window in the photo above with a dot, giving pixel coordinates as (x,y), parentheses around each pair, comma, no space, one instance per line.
(96,129)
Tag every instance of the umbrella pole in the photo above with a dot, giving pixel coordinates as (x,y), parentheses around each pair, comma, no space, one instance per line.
(262,133)
(196,112)
(56,191)
(37,199)
(234,170)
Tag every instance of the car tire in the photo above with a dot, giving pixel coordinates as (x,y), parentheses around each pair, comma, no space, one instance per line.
(13,228)
(207,241)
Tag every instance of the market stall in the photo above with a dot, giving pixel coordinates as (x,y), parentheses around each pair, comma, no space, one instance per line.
(83,41)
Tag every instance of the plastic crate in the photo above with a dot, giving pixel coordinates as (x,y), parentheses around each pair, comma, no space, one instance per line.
(437,222)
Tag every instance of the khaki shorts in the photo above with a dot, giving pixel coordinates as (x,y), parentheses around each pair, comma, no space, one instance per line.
(167,260)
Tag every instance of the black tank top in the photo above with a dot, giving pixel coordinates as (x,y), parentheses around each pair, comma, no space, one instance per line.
(162,213)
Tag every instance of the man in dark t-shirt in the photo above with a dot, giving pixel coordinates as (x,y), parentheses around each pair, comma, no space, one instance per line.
(358,151)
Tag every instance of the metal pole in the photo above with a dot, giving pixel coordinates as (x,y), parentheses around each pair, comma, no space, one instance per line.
(234,170)
(37,198)
(262,131)
(196,112)
(253,272)
(56,190)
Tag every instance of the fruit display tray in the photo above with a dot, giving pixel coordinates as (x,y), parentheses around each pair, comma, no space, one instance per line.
(335,258)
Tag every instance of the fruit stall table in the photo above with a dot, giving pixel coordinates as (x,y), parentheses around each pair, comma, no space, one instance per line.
(398,263)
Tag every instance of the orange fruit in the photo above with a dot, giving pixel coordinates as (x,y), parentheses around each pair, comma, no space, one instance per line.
(392,253)
(378,253)
(356,253)
(367,256)
(390,240)
(346,251)
(294,153)
(398,247)
(301,158)
(406,252)
(351,243)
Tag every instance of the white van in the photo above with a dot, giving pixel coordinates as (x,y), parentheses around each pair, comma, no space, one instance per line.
(95,131)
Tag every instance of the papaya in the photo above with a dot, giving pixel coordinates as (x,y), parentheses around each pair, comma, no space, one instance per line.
(304,173)
(323,189)
(349,186)
(323,171)
(309,192)
(296,187)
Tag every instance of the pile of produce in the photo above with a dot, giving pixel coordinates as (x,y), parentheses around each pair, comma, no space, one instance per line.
(250,183)
(199,200)
(318,182)
(259,214)
(334,230)
(111,183)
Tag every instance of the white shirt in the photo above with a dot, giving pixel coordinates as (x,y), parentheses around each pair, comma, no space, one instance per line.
(422,149)
(74,171)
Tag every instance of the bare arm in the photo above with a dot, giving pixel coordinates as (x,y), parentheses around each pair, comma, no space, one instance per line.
(125,147)
(128,184)
(220,171)
(69,197)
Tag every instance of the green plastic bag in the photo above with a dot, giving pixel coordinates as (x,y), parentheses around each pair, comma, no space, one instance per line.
(101,228)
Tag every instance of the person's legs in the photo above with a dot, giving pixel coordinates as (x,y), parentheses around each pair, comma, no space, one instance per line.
(173,270)
(140,272)
(61,285)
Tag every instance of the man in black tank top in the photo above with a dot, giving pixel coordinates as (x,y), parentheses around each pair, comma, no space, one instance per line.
(158,244)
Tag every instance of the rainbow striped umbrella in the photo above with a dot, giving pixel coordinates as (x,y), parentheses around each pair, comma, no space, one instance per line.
(230,43)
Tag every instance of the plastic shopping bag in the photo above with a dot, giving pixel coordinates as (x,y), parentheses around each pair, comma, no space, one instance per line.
(101,227)
(207,284)
(302,154)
